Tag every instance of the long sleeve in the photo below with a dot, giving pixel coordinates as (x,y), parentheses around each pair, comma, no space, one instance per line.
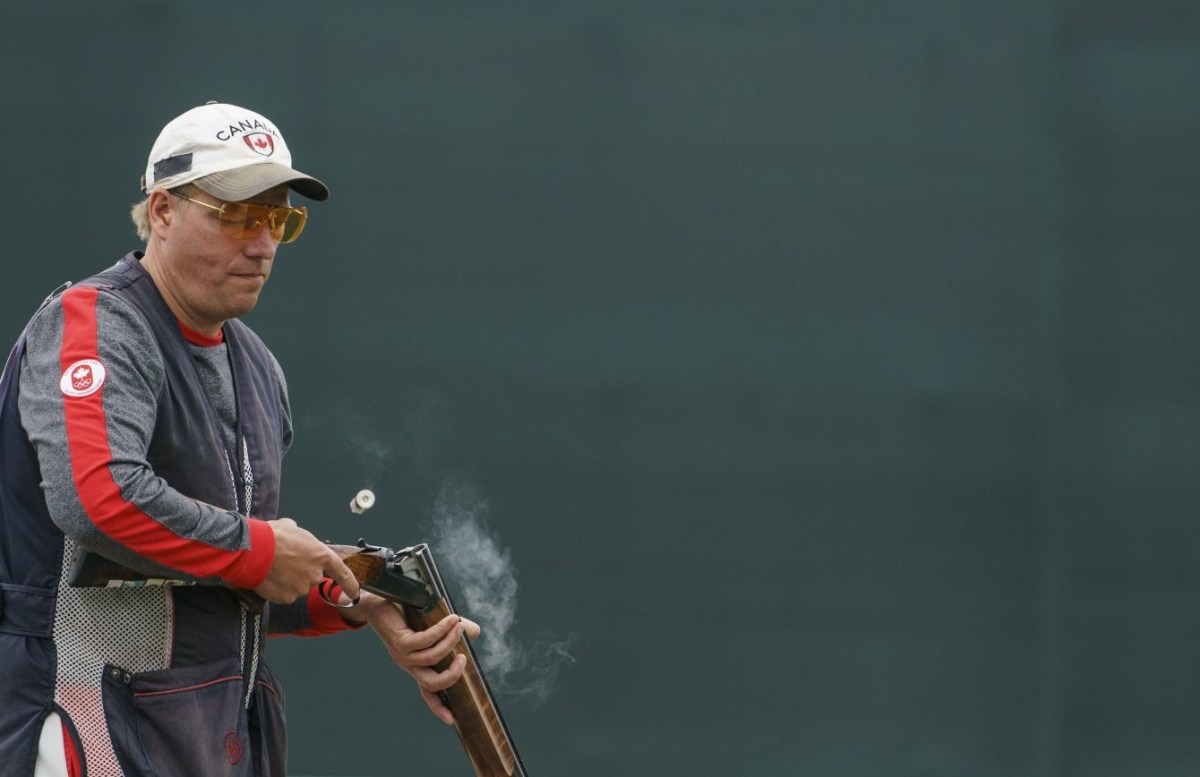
(89,389)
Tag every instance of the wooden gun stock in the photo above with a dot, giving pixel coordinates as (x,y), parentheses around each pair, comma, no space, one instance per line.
(409,578)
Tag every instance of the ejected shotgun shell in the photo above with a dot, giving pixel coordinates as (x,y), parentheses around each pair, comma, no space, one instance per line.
(364,500)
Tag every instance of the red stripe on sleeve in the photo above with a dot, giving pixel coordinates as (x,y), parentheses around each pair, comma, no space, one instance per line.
(87,441)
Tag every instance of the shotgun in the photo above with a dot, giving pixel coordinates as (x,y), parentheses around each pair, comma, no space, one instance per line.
(409,578)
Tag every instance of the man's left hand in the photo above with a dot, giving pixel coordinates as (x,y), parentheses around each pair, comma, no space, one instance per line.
(416,652)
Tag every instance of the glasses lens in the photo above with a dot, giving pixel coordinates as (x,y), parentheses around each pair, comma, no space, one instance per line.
(288,223)
(244,220)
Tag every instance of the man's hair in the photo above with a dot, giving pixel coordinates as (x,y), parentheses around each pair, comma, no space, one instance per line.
(140,212)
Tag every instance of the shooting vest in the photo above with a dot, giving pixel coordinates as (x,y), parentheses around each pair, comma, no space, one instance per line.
(151,675)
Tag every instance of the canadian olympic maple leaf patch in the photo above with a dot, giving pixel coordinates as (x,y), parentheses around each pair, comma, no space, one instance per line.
(83,378)
(260,142)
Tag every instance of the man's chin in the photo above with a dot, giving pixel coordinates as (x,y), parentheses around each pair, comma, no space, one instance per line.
(242,304)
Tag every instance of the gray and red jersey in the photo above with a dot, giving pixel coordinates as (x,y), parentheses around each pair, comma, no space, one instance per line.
(123,433)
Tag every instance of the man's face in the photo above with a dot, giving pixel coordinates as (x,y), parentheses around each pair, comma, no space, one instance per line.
(210,276)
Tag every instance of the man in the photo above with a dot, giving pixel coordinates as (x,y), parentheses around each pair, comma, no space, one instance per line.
(143,423)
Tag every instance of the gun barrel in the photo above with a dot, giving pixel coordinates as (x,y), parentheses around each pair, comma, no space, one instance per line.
(409,578)
(478,722)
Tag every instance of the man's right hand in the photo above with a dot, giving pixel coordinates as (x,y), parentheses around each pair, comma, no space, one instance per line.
(300,562)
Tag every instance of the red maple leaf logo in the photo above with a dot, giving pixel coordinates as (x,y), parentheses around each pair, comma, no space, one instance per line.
(261,143)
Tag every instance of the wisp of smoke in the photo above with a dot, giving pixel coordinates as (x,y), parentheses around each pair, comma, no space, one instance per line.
(353,436)
(472,561)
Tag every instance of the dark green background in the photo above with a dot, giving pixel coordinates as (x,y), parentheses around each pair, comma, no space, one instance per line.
(827,366)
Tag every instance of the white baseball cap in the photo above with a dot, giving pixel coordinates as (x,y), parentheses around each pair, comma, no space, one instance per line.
(230,152)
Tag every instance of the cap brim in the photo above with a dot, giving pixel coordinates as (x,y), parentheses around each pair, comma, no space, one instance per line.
(244,182)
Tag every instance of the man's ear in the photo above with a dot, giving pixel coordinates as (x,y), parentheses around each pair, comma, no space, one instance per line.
(159,210)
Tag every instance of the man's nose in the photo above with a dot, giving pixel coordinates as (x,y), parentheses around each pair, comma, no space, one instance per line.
(262,245)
